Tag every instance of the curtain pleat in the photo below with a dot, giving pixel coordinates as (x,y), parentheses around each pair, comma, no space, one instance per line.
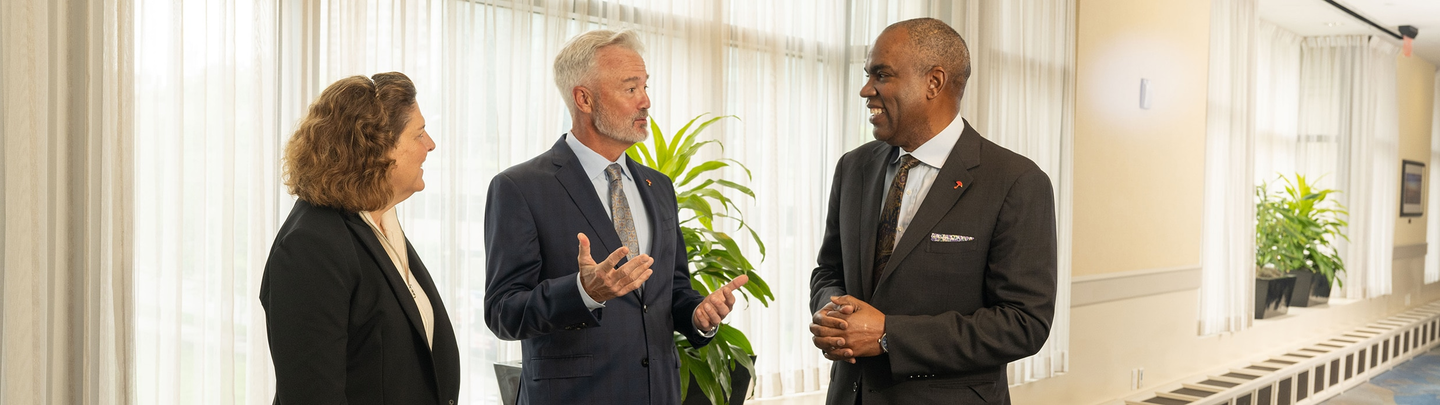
(65,264)
(207,188)
(1349,134)
(1021,96)
(1227,249)
(1432,210)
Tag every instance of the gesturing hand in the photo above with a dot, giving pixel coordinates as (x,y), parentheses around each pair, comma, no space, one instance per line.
(602,281)
(718,304)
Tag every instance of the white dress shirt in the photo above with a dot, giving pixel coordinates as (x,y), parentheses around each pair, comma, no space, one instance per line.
(393,239)
(594,166)
(932,155)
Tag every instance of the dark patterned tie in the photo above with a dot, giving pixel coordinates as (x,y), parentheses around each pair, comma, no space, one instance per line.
(620,211)
(890,217)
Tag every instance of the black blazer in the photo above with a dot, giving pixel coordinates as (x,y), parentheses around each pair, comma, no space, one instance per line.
(621,354)
(957,310)
(343,327)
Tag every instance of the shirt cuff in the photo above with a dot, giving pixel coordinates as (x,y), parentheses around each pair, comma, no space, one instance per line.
(705,334)
(589,302)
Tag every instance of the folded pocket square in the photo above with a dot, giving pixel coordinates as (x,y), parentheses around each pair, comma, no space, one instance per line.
(944,237)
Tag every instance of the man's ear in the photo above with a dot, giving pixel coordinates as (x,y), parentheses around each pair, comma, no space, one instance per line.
(584,101)
(935,82)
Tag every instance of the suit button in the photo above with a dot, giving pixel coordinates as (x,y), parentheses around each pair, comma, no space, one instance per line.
(854,387)
(645,309)
(645,362)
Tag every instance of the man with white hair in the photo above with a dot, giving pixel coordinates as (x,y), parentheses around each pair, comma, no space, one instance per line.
(595,327)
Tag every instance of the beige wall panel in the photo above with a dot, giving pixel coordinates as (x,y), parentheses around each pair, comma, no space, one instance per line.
(1139,172)
(1415,89)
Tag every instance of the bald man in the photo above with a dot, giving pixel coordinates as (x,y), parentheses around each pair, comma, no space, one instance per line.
(938,263)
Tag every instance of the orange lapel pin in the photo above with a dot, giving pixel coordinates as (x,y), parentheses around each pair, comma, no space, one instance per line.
(647,183)
(958,184)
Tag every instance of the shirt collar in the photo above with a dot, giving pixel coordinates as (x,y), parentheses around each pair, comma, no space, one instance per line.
(936,150)
(591,161)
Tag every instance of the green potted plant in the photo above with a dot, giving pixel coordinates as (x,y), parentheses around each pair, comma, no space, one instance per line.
(714,256)
(1294,232)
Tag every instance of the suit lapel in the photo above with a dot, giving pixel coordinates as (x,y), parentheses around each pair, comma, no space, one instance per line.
(652,210)
(367,237)
(874,189)
(439,340)
(949,185)
(582,192)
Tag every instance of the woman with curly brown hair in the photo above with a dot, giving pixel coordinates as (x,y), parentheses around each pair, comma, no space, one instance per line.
(353,315)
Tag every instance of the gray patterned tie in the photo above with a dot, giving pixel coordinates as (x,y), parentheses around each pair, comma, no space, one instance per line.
(620,211)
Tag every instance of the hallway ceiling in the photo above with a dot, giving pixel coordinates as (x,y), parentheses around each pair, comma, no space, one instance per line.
(1318,18)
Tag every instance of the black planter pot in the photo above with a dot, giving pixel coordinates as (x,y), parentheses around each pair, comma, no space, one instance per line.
(507,374)
(739,384)
(1310,289)
(1272,296)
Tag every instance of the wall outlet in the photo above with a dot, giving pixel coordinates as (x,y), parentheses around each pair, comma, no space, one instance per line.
(1137,378)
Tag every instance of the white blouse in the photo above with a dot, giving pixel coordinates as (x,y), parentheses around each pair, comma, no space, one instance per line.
(393,239)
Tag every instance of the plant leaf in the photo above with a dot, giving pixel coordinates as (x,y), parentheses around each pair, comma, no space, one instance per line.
(702,168)
(738,187)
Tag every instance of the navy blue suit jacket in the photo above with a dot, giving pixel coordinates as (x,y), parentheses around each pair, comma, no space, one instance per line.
(621,354)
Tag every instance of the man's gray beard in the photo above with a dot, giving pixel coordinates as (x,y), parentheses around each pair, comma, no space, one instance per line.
(622,133)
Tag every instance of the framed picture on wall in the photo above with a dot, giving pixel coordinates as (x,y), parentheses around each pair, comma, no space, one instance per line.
(1412,179)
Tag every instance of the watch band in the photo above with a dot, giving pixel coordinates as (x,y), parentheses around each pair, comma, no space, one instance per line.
(884,343)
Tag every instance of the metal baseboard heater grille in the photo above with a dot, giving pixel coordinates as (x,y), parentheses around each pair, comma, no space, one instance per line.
(1312,373)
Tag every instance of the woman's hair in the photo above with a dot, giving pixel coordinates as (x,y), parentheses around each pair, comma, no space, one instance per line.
(338,155)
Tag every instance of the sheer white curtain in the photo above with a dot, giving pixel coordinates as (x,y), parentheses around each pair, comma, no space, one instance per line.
(1021,96)
(784,73)
(1349,127)
(1277,102)
(1228,240)
(65,130)
(208,198)
(1432,209)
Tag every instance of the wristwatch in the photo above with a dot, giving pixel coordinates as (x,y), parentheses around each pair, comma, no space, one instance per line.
(884,343)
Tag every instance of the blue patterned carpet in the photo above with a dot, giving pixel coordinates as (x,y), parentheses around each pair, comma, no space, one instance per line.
(1415,382)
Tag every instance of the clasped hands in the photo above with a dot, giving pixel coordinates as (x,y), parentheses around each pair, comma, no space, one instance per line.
(603,282)
(847,328)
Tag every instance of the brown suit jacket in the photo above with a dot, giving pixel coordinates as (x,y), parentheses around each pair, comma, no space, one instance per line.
(956,311)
